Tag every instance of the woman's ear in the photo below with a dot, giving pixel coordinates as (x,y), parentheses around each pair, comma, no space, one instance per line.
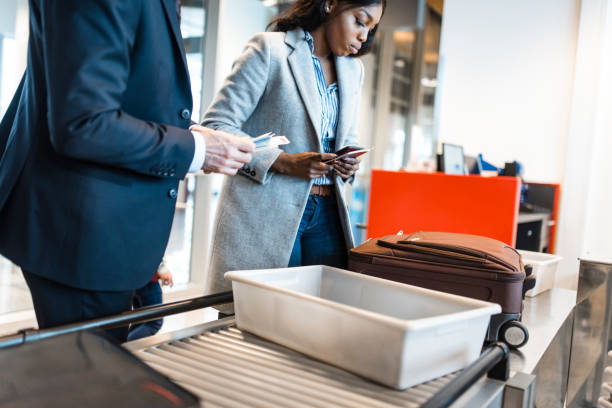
(330,5)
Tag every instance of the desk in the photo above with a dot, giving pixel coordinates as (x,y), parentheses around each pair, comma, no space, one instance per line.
(533,231)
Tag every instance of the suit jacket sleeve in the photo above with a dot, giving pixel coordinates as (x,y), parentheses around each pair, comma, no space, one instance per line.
(87,48)
(237,100)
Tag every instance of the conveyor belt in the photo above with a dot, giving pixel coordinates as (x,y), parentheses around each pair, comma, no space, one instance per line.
(226,367)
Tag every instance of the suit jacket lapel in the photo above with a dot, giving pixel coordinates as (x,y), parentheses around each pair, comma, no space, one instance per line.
(302,68)
(346,84)
(172,16)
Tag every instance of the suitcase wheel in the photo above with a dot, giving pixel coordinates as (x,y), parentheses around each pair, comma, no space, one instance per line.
(514,334)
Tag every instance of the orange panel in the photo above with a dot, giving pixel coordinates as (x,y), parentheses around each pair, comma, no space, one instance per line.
(411,202)
(555,214)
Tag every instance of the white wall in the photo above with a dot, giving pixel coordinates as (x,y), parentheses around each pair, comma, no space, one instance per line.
(505,76)
(532,81)
(14,24)
(239,20)
(586,221)
(8,11)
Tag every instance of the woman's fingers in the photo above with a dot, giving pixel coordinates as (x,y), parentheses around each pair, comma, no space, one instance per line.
(347,167)
(326,156)
(350,160)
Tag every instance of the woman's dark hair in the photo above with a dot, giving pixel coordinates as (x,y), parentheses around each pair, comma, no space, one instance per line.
(310,14)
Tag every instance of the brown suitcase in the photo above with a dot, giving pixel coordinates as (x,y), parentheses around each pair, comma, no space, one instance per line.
(462,264)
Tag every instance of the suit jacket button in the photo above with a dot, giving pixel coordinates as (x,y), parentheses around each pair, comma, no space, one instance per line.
(253,173)
(172,193)
(185,113)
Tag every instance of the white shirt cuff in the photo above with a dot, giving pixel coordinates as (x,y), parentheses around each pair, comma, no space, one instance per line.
(199,154)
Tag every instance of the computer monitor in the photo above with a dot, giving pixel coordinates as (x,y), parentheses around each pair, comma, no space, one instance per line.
(452,159)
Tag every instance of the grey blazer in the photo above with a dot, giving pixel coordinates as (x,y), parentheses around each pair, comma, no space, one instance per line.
(272,88)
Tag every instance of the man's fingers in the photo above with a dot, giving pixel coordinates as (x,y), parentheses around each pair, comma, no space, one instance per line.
(222,165)
(242,143)
(232,164)
(245,144)
(225,153)
(222,170)
(241,157)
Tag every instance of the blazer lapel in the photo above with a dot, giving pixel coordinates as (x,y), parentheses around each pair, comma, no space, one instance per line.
(172,16)
(346,93)
(302,68)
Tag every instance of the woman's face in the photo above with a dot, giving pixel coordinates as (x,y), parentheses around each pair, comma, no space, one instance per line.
(347,31)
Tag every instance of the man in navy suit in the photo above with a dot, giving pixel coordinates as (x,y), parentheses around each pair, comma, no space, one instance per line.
(92,149)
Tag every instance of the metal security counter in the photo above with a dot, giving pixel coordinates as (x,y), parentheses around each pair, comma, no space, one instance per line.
(228,367)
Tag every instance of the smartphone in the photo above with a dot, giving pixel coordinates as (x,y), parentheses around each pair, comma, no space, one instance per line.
(348,151)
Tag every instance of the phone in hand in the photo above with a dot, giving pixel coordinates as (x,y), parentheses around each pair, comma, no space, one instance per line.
(348,151)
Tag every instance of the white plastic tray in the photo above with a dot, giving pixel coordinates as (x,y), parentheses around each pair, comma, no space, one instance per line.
(395,334)
(544,270)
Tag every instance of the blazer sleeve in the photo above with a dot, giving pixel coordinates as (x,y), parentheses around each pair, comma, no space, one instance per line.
(87,48)
(238,98)
(352,137)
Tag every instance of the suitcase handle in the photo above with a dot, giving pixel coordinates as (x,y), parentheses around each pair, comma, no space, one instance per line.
(448,251)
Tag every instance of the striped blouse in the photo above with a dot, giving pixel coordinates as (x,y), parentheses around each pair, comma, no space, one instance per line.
(329,114)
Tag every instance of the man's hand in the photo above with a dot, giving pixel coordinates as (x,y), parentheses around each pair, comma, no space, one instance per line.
(307,165)
(225,153)
(347,166)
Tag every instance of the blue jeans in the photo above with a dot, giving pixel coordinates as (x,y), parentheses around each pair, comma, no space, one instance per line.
(320,238)
(149,295)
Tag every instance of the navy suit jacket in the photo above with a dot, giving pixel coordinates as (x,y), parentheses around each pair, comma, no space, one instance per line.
(95,142)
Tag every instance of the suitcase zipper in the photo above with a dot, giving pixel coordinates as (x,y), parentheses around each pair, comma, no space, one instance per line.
(462,253)
(392,261)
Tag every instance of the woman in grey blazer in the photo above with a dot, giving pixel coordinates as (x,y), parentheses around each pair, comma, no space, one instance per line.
(287,206)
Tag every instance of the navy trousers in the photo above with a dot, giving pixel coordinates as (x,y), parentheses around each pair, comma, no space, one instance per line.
(149,295)
(56,304)
(320,238)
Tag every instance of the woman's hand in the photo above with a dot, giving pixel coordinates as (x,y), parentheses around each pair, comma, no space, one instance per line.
(308,165)
(347,166)
(164,274)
